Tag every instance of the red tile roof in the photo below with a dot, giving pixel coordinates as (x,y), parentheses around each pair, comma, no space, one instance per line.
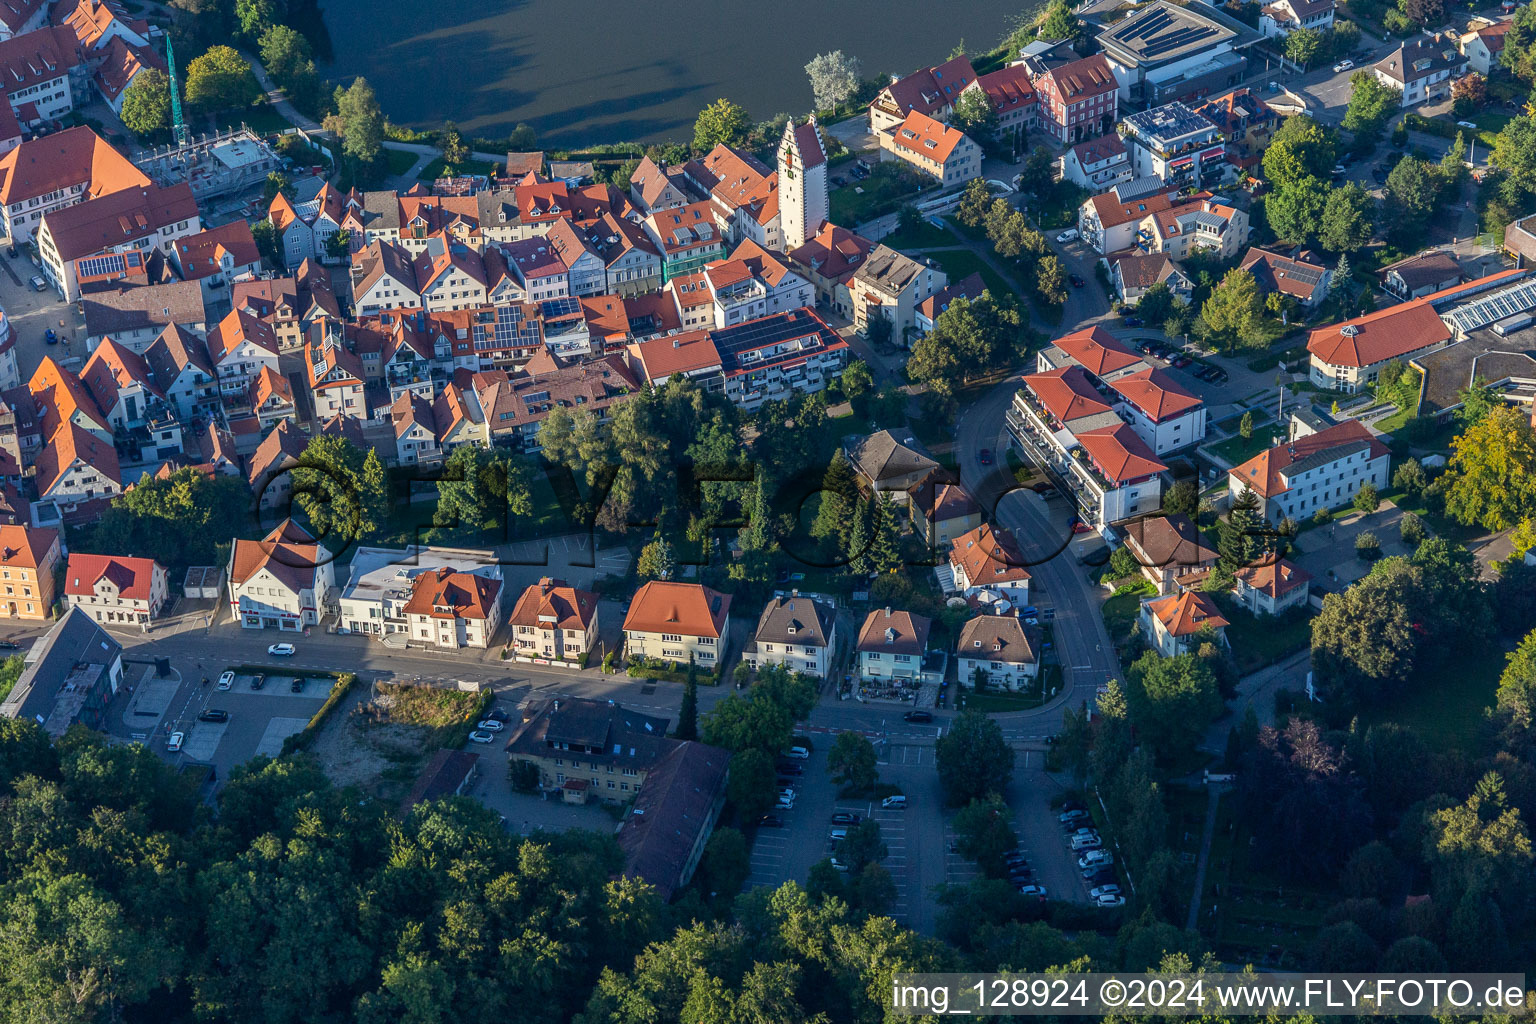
(134,577)
(1120,454)
(989,557)
(1275,578)
(554,604)
(289,553)
(890,629)
(447,594)
(660,358)
(25,546)
(72,157)
(1264,471)
(1187,614)
(69,444)
(687,609)
(922,135)
(1156,393)
(1097,350)
(1083,78)
(1067,393)
(1377,337)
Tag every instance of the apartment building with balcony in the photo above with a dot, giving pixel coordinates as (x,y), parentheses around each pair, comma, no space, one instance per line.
(1178,145)
(1316,471)
(1164,415)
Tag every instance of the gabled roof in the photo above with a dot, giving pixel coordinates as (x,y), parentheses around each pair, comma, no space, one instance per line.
(68,445)
(996,638)
(133,577)
(110,221)
(1376,337)
(1082,78)
(688,609)
(1167,542)
(412,409)
(1276,577)
(121,62)
(120,310)
(554,604)
(113,367)
(270,384)
(932,89)
(896,631)
(445,593)
(290,553)
(1111,211)
(1156,393)
(1187,613)
(58,394)
(941,500)
(1120,453)
(1105,147)
(989,557)
(672,815)
(35,58)
(71,157)
(1288,275)
(24,546)
(282,447)
(174,351)
(202,255)
(881,457)
(1266,472)
(1420,57)
(686,352)
(1067,393)
(795,620)
(1008,88)
(806,139)
(835,253)
(922,136)
(1100,352)
(234,330)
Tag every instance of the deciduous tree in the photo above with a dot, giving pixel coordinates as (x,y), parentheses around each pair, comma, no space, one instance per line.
(147,103)
(973,758)
(1493,466)
(358,120)
(834,78)
(221,79)
(720,122)
(1300,148)
(1347,223)
(852,762)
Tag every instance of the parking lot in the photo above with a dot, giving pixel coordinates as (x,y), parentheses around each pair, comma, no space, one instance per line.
(32,313)
(260,719)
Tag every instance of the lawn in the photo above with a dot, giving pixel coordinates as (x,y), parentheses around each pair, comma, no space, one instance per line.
(923,236)
(399,160)
(958,264)
(1120,612)
(1263,640)
(1489,124)
(1447,704)
(1238,449)
(261,118)
(437,168)
(884,191)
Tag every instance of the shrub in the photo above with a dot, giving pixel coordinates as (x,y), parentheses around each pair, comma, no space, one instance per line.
(1368,546)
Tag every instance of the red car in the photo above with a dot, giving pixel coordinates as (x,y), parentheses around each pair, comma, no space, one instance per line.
(985,456)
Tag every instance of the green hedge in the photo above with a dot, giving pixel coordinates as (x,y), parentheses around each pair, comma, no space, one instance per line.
(1431,125)
(304,737)
(669,671)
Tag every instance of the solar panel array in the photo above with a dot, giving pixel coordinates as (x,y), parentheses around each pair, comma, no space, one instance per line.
(566,305)
(1482,311)
(510,330)
(739,345)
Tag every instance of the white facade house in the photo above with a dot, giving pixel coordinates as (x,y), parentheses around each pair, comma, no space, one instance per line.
(996,651)
(379,584)
(116,590)
(285,581)
(1422,68)
(1282,17)
(797,632)
(1177,145)
(1097,165)
(892,644)
(1316,471)
(1273,588)
(1161,412)
(554,622)
(989,561)
(1177,624)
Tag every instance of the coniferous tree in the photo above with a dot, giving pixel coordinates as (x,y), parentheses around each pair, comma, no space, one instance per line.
(885,546)
(688,716)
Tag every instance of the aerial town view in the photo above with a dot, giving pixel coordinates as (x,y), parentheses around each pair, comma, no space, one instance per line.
(498,524)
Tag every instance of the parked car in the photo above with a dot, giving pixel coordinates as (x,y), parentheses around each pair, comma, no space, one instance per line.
(837,835)
(1069,235)
(770,821)
(1099,875)
(258,682)
(489,725)
(790,768)
(786,800)
(1133,321)
(1179,362)
(1074,815)
(1379,174)
(1104,890)
(174,743)
(918,716)
(1081,843)
(846,818)
(498,715)
(1077,280)
(894,803)
(1095,859)
(1074,805)
(481,737)
(297,686)
(226,680)
(1111,900)
(281,650)
(38,284)
(51,336)
(9,645)
(1467,125)
(1343,65)
(214,715)
(800,753)
(1032,890)
(985,456)
(1015,857)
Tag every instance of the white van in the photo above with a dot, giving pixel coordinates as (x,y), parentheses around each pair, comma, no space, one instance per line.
(837,835)
(1088,842)
(1095,858)
(894,803)
(1069,235)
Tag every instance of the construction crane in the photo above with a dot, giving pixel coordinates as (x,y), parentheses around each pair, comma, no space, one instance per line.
(178,124)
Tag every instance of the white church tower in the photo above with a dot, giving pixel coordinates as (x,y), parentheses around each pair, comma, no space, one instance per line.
(802,183)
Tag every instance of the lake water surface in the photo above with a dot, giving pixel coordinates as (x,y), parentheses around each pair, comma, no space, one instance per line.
(585,71)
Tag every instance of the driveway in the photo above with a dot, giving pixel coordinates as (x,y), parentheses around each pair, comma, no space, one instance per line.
(1328,552)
